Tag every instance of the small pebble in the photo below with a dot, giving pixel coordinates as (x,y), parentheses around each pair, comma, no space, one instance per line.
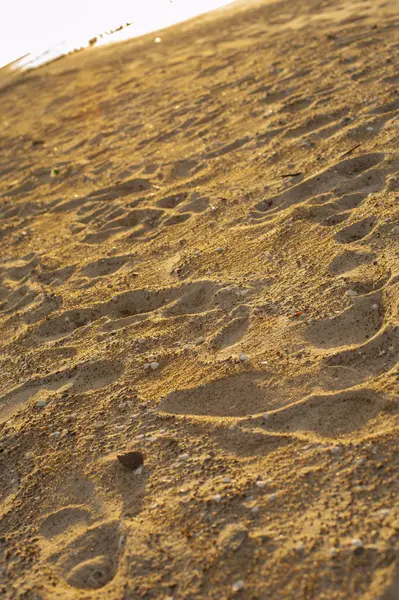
(351,293)
(41,403)
(238,585)
(227,479)
(255,510)
(300,547)
(219,250)
(131,460)
(200,340)
(333,551)
(183,456)
(261,484)
(56,434)
(217,498)
(154,365)
(356,543)
(272,497)
(244,357)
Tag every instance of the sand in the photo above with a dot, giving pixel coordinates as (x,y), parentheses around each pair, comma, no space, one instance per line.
(200,263)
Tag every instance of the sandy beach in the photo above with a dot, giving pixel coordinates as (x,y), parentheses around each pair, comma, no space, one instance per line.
(199,264)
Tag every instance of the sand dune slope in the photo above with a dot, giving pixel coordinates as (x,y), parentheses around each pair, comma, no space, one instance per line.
(199,260)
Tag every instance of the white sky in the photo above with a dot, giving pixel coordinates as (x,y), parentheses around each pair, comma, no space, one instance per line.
(36,25)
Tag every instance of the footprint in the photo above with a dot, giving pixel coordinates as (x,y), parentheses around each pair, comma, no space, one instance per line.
(83,378)
(327,415)
(196,297)
(172,201)
(231,333)
(176,219)
(63,520)
(90,561)
(314,123)
(131,186)
(357,231)
(377,356)
(349,201)
(106,266)
(354,325)
(349,260)
(236,396)
(385,108)
(336,219)
(347,170)
(229,147)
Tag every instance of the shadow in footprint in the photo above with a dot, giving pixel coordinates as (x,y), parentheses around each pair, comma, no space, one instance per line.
(355,325)
(327,415)
(91,560)
(347,171)
(105,266)
(377,356)
(349,260)
(355,232)
(85,377)
(235,396)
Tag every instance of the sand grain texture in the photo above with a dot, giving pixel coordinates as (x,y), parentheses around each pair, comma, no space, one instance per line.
(168,211)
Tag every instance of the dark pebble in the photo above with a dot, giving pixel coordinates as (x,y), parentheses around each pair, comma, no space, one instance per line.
(131,460)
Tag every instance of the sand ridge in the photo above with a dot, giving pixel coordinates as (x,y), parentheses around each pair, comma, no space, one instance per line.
(199,261)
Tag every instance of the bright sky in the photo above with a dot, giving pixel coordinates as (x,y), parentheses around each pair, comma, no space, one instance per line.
(37,25)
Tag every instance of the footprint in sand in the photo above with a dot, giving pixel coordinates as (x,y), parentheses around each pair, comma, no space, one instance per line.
(357,231)
(81,542)
(235,396)
(329,415)
(354,325)
(106,266)
(348,176)
(82,551)
(350,367)
(81,379)
(349,260)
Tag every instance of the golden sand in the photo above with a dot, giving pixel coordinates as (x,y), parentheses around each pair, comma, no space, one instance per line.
(199,262)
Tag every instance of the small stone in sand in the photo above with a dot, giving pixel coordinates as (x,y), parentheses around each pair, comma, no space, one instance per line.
(358,546)
(131,460)
(238,586)
(261,484)
(217,498)
(41,403)
(219,250)
(154,365)
(244,357)
(300,547)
